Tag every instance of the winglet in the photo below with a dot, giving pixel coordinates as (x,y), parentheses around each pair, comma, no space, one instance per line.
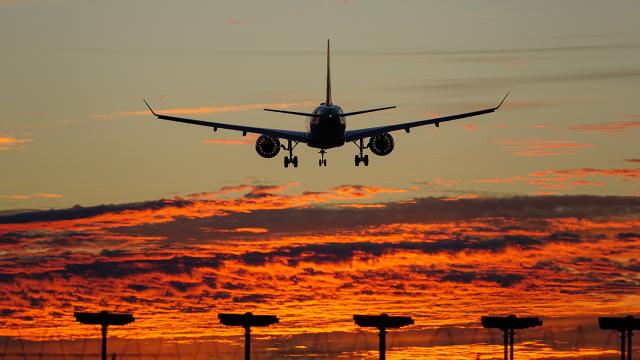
(150,109)
(503,99)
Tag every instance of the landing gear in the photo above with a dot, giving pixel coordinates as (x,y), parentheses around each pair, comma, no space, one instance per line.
(322,161)
(293,160)
(364,159)
(361,158)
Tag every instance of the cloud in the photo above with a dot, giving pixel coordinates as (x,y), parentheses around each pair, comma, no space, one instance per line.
(633,161)
(32,196)
(460,84)
(609,127)
(203,110)
(534,147)
(470,127)
(628,173)
(182,260)
(246,140)
(567,179)
(11,143)
(234,22)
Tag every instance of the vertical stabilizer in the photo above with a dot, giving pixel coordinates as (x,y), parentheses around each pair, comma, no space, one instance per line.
(328,100)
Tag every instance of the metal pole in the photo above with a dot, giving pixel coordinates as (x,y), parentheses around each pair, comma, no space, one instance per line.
(247,342)
(383,343)
(506,343)
(622,343)
(511,333)
(104,341)
(629,335)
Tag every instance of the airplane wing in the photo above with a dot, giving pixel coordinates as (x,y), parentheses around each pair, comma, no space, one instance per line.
(353,135)
(298,136)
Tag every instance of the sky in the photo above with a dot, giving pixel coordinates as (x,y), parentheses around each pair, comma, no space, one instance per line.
(533,209)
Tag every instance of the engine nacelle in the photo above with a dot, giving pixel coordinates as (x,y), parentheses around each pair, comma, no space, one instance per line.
(267,146)
(382,144)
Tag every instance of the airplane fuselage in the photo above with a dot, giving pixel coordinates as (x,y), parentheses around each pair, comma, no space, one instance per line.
(326,127)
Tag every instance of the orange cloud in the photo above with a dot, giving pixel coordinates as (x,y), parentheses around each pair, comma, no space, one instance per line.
(633,161)
(246,140)
(234,22)
(532,147)
(11,143)
(33,196)
(201,110)
(362,206)
(629,173)
(566,179)
(609,126)
(470,127)
(461,197)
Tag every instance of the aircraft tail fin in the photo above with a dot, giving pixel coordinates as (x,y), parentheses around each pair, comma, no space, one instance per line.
(328,100)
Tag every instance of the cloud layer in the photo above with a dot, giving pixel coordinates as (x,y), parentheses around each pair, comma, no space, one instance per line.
(315,258)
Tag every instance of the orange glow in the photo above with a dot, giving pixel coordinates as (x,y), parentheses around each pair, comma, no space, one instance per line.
(11,143)
(176,263)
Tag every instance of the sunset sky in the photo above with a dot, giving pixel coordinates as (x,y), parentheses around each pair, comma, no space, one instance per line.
(534,209)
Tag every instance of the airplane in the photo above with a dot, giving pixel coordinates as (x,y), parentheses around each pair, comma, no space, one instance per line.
(326,129)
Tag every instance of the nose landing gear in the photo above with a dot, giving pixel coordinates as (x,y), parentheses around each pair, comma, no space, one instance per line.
(322,161)
(361,158)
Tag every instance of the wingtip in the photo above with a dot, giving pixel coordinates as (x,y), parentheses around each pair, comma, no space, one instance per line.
(503,99)
(150,109)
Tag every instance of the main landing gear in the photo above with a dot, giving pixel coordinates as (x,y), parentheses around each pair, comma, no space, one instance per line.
(361,158)
(290,159)
(322,161)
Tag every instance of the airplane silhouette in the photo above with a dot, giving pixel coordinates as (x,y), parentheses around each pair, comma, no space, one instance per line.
(326,129)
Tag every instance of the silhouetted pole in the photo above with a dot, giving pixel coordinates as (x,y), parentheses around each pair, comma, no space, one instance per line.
(623,333)
(511,336)
(104,342)
(505,335)
(382,343)
(247,342)
(104,319)
(508,324)
(382,322)
(629,350)
(625,325)
(247,320)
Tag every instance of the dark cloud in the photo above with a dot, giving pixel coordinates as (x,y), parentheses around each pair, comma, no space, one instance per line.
(121,269)
(628,236)
(336,252)
(252,298)
(78,212)
(423,210)
(137,287)
(182,286)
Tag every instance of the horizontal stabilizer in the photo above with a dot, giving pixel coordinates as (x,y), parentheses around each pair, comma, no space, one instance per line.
(367,111)
(292,112)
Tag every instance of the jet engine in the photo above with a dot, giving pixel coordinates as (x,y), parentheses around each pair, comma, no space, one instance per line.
(267,146)
(382,144)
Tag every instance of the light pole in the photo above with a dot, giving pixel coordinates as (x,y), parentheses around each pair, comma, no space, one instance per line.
(625,325)
(247,320)
(382,322)
(508,324)
(104,319)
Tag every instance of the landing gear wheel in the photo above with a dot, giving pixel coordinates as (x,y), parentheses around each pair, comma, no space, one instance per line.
(286,161)
(357,160)
(295,161)
(324,162)
(320,162)
(365,160)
